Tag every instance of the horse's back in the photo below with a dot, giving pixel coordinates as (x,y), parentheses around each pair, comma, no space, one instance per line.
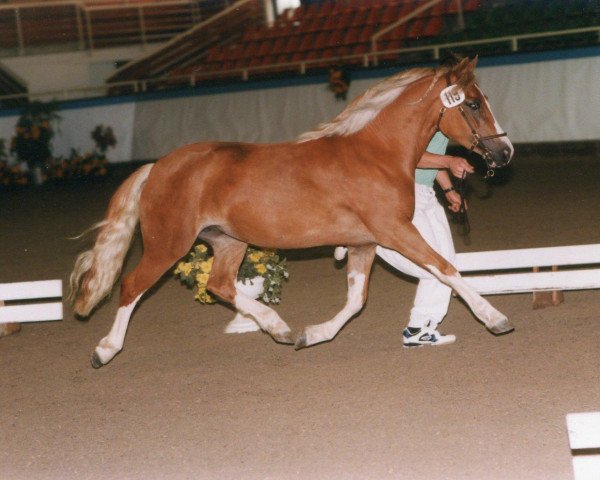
(286,188)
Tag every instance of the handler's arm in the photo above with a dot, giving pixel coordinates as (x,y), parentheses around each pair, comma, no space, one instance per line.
(457,165)
(453,197)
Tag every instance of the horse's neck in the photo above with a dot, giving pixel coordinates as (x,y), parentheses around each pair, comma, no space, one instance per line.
(401,132)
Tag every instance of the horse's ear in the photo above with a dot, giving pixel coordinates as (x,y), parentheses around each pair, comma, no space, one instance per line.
(460,67)
(466,65)
(473,63)
(464,71)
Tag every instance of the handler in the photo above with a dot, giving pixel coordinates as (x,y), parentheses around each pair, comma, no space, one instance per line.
(433,297)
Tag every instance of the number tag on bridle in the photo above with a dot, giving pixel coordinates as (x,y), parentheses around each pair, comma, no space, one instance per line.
(452,96)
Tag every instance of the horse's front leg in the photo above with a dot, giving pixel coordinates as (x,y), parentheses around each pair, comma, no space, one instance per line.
(406,240)
(360,260)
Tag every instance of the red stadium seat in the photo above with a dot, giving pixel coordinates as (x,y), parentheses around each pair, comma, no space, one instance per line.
(415,29)
(293,44)
(434,27)
(307,42)
(352,35)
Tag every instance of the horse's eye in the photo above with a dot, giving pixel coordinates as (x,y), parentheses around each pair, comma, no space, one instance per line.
(474,105)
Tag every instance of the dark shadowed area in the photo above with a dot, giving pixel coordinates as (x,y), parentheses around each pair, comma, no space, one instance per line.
(185,401)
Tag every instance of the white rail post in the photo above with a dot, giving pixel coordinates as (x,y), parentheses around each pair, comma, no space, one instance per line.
(551,298)
(19,26)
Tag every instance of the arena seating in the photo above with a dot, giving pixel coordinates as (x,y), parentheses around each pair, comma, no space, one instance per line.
(324,33)
(533,16)
(238,45)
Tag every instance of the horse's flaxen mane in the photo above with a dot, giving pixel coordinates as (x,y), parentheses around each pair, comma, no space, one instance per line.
(366,107)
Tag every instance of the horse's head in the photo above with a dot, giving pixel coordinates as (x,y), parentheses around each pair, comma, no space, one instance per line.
(466,116)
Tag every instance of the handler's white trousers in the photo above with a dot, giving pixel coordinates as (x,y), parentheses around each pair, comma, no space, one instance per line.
(432,297)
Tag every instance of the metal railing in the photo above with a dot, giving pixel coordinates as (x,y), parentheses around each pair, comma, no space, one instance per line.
(191,46)
(35,27)
(369,59)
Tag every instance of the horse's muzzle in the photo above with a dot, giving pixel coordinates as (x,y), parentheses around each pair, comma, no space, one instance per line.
(497,152)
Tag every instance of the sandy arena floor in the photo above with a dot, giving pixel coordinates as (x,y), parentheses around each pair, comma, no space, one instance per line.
(185,401)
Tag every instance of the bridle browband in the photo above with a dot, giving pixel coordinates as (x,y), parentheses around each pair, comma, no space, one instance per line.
(477,138)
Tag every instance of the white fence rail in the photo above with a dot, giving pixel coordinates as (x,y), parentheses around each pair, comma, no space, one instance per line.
(32,312)
(580,278)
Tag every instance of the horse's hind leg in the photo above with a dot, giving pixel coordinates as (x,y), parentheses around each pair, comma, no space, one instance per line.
(360,260)
(163,246)
(146,274)
(228,256)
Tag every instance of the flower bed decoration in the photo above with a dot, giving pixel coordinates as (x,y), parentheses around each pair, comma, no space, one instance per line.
(76,165)
(88,164)
(194,271)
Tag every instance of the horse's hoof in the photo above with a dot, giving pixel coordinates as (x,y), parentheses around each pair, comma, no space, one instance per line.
(301,342)
(95,361)
(285,338)
(502,327)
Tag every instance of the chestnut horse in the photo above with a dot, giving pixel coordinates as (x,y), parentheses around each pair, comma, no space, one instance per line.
(349,182)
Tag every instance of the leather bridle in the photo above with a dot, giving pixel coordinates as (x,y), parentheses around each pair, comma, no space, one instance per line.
(477,138)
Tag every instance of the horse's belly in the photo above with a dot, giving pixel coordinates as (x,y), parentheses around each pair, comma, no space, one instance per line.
(288,235)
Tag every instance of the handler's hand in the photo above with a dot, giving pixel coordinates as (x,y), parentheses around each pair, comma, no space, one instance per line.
(454,200)
(459,166)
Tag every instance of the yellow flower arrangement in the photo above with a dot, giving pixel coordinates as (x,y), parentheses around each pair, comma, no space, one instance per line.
(194,271)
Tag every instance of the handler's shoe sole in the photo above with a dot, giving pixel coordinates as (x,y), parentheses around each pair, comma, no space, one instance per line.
(419,337)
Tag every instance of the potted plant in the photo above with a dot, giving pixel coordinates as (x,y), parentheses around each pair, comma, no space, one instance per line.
(103,137)
(32,141)
(260,276)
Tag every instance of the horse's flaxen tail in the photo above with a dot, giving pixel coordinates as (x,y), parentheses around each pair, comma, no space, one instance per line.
(96,270)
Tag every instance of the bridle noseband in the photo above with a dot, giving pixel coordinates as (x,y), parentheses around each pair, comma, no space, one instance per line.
(477,138)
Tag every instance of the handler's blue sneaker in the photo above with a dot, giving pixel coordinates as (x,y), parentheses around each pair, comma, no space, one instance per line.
(417,337)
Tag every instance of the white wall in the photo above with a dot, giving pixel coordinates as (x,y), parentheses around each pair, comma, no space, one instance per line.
(546,101)
(539,101)
(76,125)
